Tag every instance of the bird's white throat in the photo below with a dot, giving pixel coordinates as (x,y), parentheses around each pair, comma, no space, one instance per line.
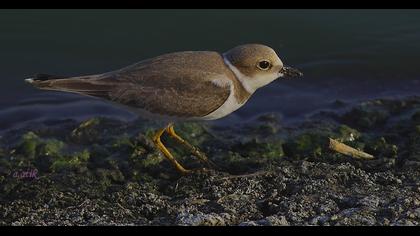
(251,83)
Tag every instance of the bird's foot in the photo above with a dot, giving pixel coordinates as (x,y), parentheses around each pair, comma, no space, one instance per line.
(158,143)
(194,150)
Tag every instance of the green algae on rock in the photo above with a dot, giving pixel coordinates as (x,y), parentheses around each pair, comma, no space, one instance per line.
(314,142)
(87,130)
(29,143)
(75,160)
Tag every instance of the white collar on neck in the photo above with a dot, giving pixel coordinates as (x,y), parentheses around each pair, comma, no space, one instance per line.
(241,77)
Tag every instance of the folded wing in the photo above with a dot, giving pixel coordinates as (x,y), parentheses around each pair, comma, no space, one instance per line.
(179,85)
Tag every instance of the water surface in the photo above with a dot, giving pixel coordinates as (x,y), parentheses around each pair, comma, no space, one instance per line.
(347,55)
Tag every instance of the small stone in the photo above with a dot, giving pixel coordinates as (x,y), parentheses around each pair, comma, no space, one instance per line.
(370,202)
(187,219)
(277,220)
(417,213)
(319,220)
(410,215)
(249,223)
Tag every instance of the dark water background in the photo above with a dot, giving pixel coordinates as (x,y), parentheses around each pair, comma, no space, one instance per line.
(347,55)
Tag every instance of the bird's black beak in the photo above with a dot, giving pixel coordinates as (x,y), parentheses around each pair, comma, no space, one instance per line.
(289,72)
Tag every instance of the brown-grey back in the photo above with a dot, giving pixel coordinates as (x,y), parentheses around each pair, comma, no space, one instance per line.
(176,84)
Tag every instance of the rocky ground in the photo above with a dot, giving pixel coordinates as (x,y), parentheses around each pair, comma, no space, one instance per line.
(107,172)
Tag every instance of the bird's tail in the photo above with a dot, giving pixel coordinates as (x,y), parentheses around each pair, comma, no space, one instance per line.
(43,81)
(86,85)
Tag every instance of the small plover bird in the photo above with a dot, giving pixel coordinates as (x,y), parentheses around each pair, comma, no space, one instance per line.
(190,85)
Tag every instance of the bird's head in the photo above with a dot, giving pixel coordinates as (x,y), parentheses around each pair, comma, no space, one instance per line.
(257,65)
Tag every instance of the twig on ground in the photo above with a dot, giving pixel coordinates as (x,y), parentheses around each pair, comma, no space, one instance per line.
(349,151)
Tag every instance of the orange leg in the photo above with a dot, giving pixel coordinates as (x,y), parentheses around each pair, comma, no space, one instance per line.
(195,151)
(166,153)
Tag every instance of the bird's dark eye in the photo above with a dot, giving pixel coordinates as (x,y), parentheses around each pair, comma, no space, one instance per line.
(264,65)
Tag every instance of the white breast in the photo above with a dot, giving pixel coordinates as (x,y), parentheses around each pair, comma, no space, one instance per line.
(231,104)
(249,84)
